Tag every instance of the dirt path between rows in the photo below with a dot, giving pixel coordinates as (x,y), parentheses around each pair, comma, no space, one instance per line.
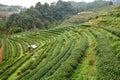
(91,61)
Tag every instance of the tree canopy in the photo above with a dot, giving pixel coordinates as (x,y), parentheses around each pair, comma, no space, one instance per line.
(42,15)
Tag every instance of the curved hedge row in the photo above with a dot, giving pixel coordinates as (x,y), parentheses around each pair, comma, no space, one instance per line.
(115,31)
(108,67)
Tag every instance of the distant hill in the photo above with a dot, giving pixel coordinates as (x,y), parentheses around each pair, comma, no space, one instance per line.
(116,1)
(79,4)
(82,6)
(6,11)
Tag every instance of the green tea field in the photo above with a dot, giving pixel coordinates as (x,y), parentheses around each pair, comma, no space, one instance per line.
(68,53)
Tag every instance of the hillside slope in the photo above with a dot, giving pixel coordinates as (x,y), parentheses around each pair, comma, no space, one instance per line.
(109,18)
(106,16)
(73,52)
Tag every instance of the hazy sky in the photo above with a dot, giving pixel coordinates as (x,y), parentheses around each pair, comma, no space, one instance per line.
(28,3)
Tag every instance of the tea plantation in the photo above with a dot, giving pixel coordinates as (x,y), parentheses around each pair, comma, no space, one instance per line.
(71,51)
(68,53)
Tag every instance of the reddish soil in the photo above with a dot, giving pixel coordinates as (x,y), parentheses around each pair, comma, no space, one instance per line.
(89,56)
(0,54)
(91,62)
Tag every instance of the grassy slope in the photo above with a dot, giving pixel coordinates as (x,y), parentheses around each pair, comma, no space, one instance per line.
(109,17)
(106,16)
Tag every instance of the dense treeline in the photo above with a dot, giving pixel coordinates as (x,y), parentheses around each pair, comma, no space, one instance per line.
(42,15)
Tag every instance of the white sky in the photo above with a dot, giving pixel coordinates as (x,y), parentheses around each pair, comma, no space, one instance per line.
(28,3)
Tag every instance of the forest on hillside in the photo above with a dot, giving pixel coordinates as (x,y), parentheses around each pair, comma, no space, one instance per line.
(44,16)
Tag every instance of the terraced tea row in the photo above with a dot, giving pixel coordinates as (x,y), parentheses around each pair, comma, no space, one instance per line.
(107,63)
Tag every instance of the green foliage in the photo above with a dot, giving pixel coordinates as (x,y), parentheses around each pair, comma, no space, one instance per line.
(69,65)
(42,15)
(2,27)
(46,16)
(108,18)
(0,43)
(107,63)
(82,6)
(60,50)
(58,53)
(115,31)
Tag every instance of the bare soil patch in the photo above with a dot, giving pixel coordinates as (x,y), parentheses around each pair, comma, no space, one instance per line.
(91,61)
(89,56)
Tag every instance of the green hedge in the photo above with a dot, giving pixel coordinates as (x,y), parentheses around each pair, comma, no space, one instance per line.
(108,67)
(67,67)
(115,31)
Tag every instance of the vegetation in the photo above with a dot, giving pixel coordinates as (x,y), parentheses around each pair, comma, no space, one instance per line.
(82,6)
(45,16)
(107,60)
(77,49)
(58,54)
(108,18)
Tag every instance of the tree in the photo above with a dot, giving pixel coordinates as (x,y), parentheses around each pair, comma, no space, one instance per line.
(42,15)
